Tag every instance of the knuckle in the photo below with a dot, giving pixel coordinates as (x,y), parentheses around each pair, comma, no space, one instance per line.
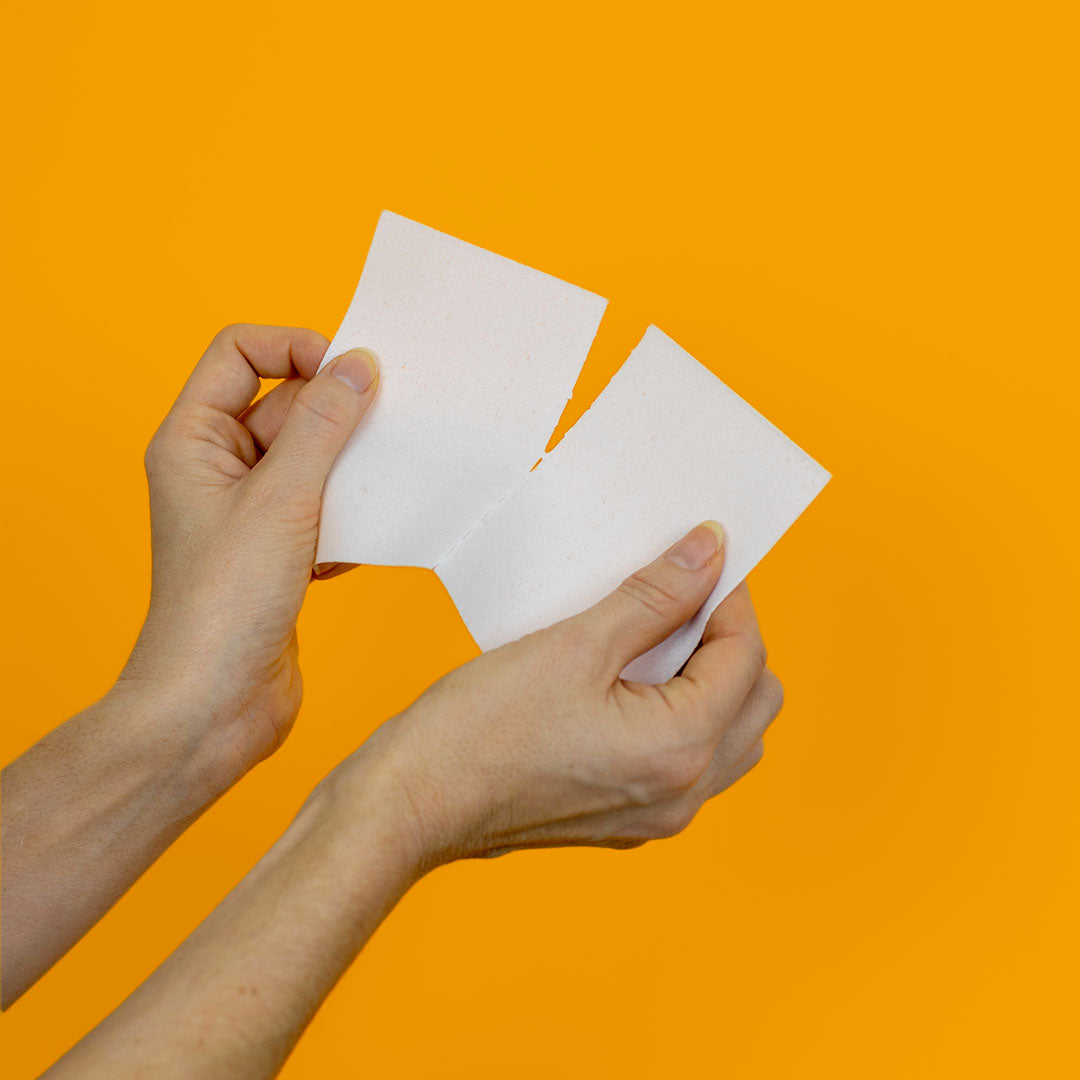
(157,452)
(668,821)
(672,771)
(648,591)
(152,456)
(757,655)
(774,691)
(757,752)
(322,411)
(230,333)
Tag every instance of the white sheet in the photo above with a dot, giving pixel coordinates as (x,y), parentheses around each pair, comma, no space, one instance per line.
(478,356)
(665,446)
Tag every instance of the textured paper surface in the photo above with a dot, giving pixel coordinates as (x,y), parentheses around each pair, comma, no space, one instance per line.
(665,446)
(478,356)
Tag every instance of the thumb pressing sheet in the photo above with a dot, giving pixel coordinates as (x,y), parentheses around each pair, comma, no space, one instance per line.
(665,446)
(478,356)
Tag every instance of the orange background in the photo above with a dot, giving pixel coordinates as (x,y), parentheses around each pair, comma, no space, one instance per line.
(862,216)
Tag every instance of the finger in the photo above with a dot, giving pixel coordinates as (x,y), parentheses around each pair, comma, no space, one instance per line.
(759,710)
(731,657)
(659,598)
(322,416)
(712,782)
(265,417)
(751,758)
(227,377)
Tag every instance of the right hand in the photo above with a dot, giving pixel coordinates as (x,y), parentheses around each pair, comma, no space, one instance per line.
(540,743)
(235,494)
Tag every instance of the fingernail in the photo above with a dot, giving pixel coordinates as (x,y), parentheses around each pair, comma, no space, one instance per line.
(356,368)
(698,547)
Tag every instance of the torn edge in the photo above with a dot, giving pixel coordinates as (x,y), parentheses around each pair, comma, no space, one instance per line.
(547,454)
(543,456)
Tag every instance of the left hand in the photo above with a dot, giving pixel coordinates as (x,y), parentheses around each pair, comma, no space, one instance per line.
(235,494)
(542,743)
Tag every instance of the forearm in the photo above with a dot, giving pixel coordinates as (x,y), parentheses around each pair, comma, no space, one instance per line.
(86,810)
(235,997)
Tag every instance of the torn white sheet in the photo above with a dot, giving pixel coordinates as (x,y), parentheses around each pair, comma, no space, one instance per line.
(478,356)
(665,446)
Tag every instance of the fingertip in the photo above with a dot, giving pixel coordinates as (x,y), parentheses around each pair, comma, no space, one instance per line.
(701,547)
(307,348)
(308,338)
(718,531)
(321,418)
(357,368)
(652,603)
(265,417)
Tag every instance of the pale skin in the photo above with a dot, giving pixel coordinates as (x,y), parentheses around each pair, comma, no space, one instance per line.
(537,744)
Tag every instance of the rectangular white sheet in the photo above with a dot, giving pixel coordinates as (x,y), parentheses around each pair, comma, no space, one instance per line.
(665,446)
(478,356)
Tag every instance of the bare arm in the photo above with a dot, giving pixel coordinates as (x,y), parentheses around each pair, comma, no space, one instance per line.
(537,744)
(234,998)
(212,686)
(86,810)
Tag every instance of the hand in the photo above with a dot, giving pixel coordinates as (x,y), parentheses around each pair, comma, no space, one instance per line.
(540,743)
(536,744)
(235,492)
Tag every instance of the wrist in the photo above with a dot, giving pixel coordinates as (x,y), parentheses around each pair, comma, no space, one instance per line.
(438,798)
(178,734)
(233,698)
(356,822)
(371,798)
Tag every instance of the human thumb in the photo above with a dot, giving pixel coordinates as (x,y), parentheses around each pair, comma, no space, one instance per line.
(654,602)
(320,420)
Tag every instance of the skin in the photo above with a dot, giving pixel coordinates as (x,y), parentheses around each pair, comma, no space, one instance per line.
(537,744)
(213,684)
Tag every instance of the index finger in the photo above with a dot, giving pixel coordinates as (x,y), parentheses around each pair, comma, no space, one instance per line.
(227,377)
(731,656)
